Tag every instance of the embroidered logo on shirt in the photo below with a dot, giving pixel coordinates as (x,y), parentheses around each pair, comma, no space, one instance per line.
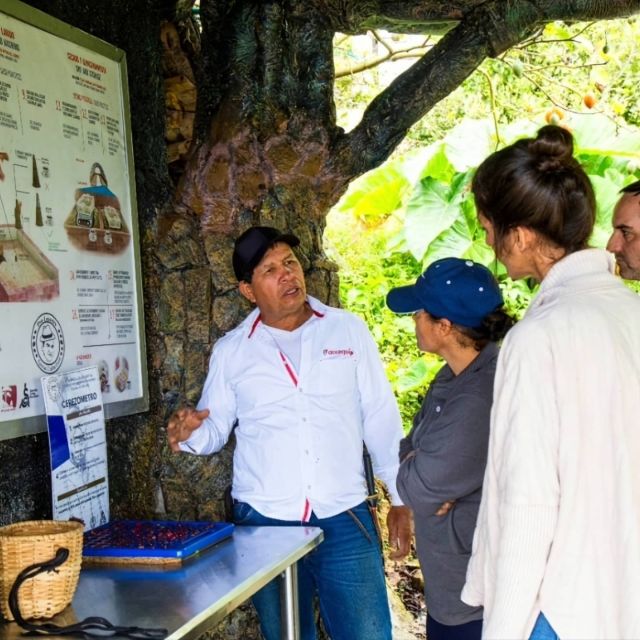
(348,353)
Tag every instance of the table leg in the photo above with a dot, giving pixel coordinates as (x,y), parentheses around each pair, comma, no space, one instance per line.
(289,612)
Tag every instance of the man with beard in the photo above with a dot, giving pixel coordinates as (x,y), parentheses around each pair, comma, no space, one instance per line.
(625,239)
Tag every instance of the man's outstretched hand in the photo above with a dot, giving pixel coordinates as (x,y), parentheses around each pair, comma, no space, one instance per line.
(182,424)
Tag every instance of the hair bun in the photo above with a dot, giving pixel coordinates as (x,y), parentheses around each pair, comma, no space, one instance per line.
(554,147)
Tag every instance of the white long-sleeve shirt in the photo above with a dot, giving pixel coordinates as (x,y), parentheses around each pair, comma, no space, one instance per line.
(559,524)
(300,430)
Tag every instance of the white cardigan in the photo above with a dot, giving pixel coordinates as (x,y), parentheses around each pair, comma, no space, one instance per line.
(559,523)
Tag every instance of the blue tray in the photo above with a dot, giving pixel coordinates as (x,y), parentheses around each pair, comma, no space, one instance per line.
(153,538)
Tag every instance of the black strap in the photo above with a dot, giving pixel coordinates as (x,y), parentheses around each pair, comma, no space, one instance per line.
(92,626)
(372,497)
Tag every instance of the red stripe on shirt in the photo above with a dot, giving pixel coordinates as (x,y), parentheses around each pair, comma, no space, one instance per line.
(306,516)
(287,366)
(255,325)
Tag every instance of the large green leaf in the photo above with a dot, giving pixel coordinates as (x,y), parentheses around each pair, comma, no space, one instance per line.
(380,192)
(469,143)
(381,200)
(413,163)
(429,212)
(524,128)
(598,134)
(418,374)
(595,165)
(438,166)
(465,237)
(386,183)
(455,241)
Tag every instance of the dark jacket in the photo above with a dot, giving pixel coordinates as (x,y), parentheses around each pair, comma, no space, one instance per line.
(449,439)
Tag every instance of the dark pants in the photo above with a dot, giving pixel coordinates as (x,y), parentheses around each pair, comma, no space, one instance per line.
(468,631)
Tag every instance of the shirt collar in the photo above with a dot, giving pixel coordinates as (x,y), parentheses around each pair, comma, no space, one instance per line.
(575,271)
(254,319)
(488,353)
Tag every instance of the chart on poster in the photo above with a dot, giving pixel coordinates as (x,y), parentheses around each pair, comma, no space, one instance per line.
(70,293)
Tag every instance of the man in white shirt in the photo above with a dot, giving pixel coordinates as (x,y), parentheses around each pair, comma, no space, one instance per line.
(625,239)
(304,386)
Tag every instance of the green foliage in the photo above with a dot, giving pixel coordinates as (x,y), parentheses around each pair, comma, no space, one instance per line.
(399,218)
(417,208)
(564,67)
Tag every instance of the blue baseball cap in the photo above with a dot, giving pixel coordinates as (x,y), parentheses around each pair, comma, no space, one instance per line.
(462,291)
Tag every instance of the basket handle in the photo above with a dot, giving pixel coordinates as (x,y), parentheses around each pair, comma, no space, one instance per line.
(103,628)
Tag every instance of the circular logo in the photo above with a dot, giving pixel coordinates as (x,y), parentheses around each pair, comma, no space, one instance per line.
(47,343)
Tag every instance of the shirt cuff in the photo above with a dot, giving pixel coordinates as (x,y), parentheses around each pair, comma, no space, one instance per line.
(196,442)
(390,483)
(471,596)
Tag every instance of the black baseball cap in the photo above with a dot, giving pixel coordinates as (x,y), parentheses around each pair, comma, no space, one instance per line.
(251,246)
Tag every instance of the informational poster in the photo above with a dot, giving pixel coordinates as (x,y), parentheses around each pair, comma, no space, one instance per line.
(78,447)
(70,287)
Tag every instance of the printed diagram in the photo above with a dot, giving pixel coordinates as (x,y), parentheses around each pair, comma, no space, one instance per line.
(26,274)
(96,222)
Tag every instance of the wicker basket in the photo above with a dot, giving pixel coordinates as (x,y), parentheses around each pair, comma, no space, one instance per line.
(26,543)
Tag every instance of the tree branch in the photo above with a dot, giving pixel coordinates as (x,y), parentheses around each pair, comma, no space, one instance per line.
(486,30)
(414,51)
(492,102)
(382,41)
(434,16)
(415,16)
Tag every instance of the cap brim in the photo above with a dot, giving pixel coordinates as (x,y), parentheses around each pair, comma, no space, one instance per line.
(403,300)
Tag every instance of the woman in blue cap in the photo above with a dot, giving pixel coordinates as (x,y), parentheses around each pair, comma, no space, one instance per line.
(457,308)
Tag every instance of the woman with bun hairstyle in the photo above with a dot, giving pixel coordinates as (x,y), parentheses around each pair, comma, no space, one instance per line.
(556,552)
(457,308)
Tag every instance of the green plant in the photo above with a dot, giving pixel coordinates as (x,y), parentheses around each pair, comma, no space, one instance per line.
(418,208)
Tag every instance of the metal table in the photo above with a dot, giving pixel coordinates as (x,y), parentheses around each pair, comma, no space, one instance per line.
(191,598)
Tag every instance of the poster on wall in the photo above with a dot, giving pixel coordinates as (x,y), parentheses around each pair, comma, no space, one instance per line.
(70,285)
(77,446)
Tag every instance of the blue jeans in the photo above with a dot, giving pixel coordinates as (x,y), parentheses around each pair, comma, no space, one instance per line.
(542,630)
(345,571)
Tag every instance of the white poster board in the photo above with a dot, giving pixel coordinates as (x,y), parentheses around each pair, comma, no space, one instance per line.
(70,286)
(77,446)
